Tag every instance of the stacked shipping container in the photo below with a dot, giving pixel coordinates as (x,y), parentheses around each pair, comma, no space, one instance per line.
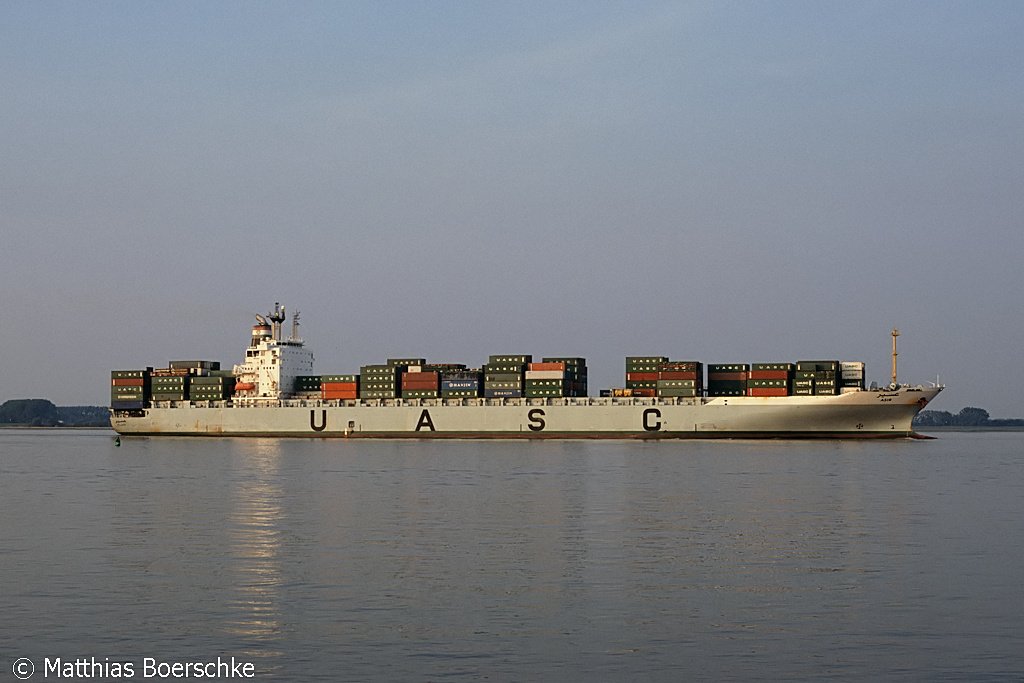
(816,378)
(555,377)
(456,383)
(378,381)
(504,376)
(642,374)
(308,386)
(418,382)
(680,379)
(169,385)
(770,379)
(338,387)
(851,376)
(210,387)
(129,389)
(728,379)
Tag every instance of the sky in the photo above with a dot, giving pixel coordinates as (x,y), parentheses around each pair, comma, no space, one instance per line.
(714,181)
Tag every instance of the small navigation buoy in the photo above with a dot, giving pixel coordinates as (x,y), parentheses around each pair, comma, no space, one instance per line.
(117,441)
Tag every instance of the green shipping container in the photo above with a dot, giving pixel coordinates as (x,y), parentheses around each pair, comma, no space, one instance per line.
(788,367)
(728,367)
(503,377)
(378,394)
(503,385)
(546,384)
(419,393)
(676,384)
(338,378)
(543,393)
(377,370)
(504,368)
(509,360)
(679,392)
(394,362)
(817,365)
(130,374)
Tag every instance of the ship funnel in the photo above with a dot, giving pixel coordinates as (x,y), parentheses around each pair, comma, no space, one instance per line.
(277,317)
(260,331)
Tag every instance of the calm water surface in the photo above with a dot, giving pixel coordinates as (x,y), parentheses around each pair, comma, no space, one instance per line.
(596,561)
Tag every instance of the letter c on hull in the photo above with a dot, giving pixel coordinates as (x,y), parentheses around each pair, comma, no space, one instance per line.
(648,425)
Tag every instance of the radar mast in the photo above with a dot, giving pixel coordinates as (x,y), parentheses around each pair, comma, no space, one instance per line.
(895,333)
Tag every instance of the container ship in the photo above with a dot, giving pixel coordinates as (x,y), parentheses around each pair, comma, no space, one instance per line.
(274,392)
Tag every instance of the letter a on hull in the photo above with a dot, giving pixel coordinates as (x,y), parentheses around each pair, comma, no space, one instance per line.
(425,421)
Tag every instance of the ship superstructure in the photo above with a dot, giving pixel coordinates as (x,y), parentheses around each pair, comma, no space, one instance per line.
(271,363)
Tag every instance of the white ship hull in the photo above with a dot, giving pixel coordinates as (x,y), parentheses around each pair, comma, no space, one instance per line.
(859,414)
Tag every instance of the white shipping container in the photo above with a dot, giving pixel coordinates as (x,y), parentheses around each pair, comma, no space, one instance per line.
(853,374)
(852,365)
(414,368)
(545,374)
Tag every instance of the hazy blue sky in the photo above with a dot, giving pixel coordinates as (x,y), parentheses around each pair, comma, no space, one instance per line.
(714,181)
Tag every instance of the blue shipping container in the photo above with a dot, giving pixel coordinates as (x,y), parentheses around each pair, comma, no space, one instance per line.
(460,384)
(503,393)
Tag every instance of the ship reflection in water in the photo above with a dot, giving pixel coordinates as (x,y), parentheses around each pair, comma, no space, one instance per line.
(254,543)
(321,560)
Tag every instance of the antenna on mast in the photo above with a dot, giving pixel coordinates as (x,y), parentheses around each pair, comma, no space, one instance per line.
(295,326)
(895,333)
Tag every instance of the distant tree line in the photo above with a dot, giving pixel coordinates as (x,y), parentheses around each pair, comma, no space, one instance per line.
(38,412)
(967,417)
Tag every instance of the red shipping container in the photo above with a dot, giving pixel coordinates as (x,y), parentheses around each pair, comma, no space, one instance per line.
(420,377)
(641,377)
(419,384)
(769,374)
(128,382)
(339,386)
(728,376)
(340,395)
(647,393)
(546,366)
(677,374)
(767,391)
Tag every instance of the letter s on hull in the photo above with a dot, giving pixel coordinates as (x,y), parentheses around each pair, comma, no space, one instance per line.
(536,417)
